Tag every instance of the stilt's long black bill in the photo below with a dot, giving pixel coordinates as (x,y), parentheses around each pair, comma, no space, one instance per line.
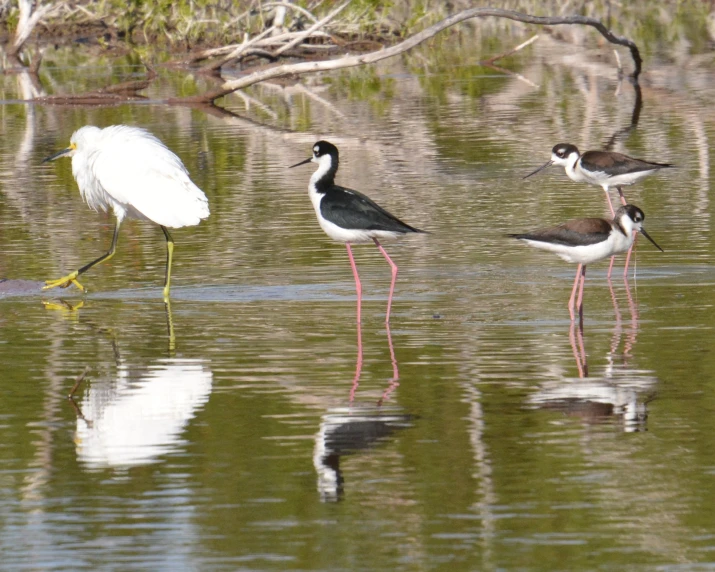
(308,160)
(57,155)
(644,233)
(547,164)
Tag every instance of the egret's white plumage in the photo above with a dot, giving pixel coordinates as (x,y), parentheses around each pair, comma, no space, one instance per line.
(129,171)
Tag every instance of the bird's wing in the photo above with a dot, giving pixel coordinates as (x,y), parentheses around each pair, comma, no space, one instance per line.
(140,172)
(578,232)
(616,163)
(350,209)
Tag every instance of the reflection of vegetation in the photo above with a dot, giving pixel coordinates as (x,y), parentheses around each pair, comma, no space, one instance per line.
(364,84)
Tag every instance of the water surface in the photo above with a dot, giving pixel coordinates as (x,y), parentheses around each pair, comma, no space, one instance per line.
(250,425)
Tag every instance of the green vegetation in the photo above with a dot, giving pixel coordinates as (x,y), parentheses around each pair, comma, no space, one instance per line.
(183,24)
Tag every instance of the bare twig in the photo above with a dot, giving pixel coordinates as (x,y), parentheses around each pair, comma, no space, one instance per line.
(29,16)
(372,57)
(510,52)
(292,7)
(235,54)
(303,35)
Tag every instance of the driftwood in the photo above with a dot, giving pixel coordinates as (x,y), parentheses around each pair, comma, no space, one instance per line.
(286,41)
(378,55)
(30,14)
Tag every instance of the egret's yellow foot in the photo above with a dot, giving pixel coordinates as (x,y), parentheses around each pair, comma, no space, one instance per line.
(64,282)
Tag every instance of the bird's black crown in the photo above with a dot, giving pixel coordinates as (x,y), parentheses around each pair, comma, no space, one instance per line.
(563,150)
(634,213)
(324,148)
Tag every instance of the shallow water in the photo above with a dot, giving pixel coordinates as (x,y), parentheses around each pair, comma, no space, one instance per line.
(251,425)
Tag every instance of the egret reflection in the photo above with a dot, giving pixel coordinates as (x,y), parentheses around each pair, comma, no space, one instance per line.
(621,392)
(139,416)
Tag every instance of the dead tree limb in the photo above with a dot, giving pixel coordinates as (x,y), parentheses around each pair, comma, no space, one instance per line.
(30,15)
(372,57)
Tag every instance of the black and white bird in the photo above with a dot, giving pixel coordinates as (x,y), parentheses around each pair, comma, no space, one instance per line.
(349,216)
(604,169)
(587,240)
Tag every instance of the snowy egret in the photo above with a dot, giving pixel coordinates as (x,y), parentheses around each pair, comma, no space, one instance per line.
(348,216)
(130,171)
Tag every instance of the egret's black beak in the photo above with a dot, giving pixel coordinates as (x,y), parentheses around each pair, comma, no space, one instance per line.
(58,155)
(644,233)
(308,160)
(547,164)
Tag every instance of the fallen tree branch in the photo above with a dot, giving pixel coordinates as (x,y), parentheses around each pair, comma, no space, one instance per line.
(29,16)
(112,94)
(372,57)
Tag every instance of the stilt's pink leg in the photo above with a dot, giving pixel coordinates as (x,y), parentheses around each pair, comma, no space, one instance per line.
(579,302)
(613,214)
(573,292)
(610,267)
(358,365)
(394,277)
(628,256)
(358,286)
(623,199)
(610,205)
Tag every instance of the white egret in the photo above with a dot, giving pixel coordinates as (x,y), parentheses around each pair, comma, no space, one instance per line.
(130,171)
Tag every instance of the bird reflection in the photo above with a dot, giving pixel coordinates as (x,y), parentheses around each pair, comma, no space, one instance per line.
(394,380)
(345,431)
(135,416)
(348,430)
(622,392)
(139,416)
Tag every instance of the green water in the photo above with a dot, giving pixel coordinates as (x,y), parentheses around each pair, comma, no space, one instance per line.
(230,431)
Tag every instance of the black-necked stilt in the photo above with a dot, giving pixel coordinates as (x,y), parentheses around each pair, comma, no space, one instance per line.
(602,168)
(349,216)
(587,240)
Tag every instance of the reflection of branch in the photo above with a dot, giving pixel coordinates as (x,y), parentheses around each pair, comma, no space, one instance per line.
(118,93)
(510,73)
(78,381)
(372,57)
(635,117)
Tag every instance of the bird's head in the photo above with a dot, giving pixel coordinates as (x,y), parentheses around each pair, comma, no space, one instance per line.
(564,154)
(630,218)
(81,139)
(325,154)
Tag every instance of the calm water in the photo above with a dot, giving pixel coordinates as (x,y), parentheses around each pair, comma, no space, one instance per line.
(252,426)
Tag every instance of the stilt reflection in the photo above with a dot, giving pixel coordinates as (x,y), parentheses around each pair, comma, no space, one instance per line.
(622,392)
(349,430)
